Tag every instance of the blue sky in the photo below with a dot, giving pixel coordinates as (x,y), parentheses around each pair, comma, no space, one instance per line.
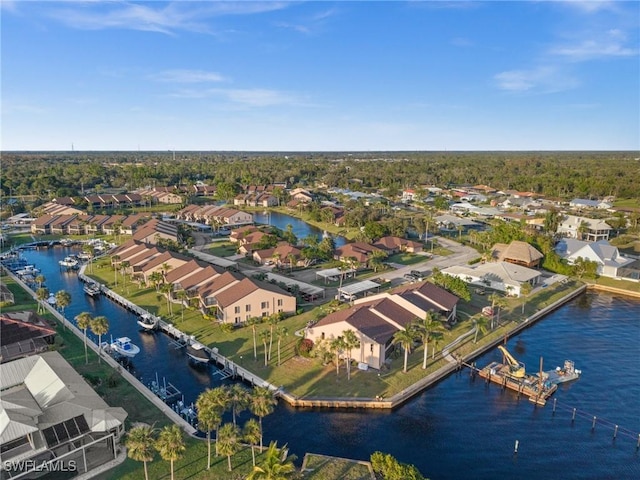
(318,76)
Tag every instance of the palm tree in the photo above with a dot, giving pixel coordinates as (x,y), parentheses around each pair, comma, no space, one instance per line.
(351,341)
(264,336)
(239,398)
(405,338)
(277,465)
(481,326)
(500,303)
(273,321)
(84,321)
(425,328)
(252,434)
(167,288)
(182,296)
(494,297)
(165,269)
(281,332)
(123,270)
(40,280)
(209,417)
(525,291)
(229,440)
(253,323)
(63,299)
(89,250)
(99,326)
(42,294)
(140,445)
(263,403)
(156,279)
(114,262)
(337,346)
(170,444)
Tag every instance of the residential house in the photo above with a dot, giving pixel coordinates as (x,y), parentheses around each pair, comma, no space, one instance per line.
(585,204)
(360,251)
(301,195)
(252,298)
(518,253)
(392,245)
(583,228)
(50,414)
(610,262)
(155,230)
(502,276)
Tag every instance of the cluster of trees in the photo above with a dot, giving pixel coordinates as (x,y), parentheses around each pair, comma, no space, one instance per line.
(389,468)
(423,329)
(555,174)
(455,285)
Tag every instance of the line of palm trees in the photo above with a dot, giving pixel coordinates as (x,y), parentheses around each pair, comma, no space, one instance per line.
(98,326)
(267,335)
(143,441)
(425,329)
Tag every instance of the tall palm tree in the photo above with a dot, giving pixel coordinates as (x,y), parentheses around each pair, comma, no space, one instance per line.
(405,338)
(42,294)
(156,279)
(337,346)
(263,403)
(40,280)
(253,323)
(167,288)
(89,250)
(239,398)
(500,303)
(140,444)
(425,328)
(209,417)
(170,444)
(481,326)
(277,465)
(281,332)
(84,321)
(99,326)
(273,321)
(63,300)
(252,434)
(123,271)
(182,296)
(115,259)
(264,336)
(229,440)
(525,291)
(351,341)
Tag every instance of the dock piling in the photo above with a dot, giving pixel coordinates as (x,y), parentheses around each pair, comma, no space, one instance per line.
(515,449)
(555,400)
(573,417)
(593,425)
(615,432)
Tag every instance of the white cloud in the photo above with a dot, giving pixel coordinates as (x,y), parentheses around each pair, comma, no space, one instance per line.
(591,6)
(247,97)
(544,79)
(155,17)
(592,49)
(187,76)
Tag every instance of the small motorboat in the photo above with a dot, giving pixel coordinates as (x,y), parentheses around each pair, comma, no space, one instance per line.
(198,353)
(123,346)
(69,262)
(92,289)
(148,322)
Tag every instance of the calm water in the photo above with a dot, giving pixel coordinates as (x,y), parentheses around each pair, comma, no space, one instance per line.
(460,428)
(300,229)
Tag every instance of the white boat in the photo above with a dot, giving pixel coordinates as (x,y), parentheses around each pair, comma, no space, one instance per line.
(123,346)
(148,322)
(92,289)
(68,262)
(197,352)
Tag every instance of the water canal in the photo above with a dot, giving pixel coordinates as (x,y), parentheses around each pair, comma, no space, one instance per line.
(460,428)
(300,228)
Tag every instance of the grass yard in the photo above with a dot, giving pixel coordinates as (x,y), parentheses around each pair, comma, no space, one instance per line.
(321,467)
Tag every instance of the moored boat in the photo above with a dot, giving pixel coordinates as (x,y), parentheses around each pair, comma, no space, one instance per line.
(198,353)
(69,262)
(123,346)
(148,322)
(92,289)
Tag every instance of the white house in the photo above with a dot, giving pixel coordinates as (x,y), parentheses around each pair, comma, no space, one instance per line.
(503,276)
(605,255)
(580,203)
(594,229)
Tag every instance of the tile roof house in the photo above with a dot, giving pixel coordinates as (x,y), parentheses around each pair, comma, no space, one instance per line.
(48,412)
(393,245)
(610,262)
(361,251)
(503,276)
(23,334)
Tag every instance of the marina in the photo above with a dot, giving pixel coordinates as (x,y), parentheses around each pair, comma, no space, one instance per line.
(597,331)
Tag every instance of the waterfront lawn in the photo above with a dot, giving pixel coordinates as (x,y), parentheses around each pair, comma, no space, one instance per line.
(321,467)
